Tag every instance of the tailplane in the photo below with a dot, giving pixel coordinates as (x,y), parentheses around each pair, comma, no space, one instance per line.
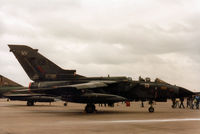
(38,67)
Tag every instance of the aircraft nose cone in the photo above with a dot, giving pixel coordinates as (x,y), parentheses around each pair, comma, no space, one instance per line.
(185,92)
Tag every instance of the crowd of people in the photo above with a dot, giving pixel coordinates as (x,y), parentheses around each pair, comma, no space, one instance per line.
(192,102)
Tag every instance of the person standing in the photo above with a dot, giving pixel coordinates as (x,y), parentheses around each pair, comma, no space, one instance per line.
(182,100)
(177,102)
(173,102)
(197,102)
(188,102)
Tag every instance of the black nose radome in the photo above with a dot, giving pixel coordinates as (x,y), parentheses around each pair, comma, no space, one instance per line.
(185,92)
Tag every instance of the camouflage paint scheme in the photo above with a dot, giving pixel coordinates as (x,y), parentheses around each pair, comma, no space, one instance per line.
(50,79)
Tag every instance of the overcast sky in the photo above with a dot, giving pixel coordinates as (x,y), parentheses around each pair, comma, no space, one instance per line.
(148,38)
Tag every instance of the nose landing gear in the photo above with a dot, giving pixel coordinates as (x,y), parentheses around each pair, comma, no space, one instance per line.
(151,108)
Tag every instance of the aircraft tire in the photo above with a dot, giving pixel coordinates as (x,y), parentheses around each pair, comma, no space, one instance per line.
(30,103)
(90,108)
(151,110)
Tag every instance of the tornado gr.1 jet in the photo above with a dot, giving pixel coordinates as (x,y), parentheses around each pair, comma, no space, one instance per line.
(50,79)
(14,91)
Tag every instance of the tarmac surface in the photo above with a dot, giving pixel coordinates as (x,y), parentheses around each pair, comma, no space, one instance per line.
(17,118)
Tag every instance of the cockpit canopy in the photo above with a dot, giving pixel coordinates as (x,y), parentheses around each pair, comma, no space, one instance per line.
(147,79)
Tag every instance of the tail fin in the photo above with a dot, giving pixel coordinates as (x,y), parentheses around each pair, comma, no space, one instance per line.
(5,82)
(37,67)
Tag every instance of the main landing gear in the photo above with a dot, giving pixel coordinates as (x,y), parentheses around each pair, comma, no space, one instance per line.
(30,103)
(151,109)
(90,108)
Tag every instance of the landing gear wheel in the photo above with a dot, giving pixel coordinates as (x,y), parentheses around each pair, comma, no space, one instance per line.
(65,104)
(90,108)
(151,110)
(30,103)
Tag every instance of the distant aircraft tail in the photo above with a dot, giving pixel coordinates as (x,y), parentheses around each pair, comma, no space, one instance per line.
(5,82)
(38,67)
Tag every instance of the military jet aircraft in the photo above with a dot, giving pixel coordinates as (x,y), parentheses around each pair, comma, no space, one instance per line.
(50,79)
(14,91)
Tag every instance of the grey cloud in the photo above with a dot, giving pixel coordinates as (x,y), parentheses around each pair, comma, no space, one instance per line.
(38,6)
(139,38)
(2,27)
(157,39)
